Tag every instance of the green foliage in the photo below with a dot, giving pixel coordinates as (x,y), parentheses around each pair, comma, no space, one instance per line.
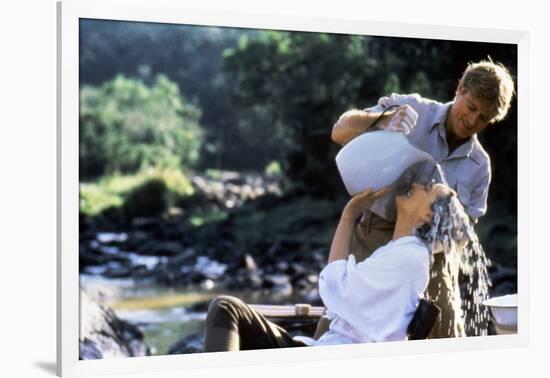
(191,56)
(392,85)
(420,84)
(315,218)
(126,126)
(290,88)
(114,190)
(273,169)
(207,217)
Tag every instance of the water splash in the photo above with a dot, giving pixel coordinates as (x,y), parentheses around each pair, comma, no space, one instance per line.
(453,233)
(475,263)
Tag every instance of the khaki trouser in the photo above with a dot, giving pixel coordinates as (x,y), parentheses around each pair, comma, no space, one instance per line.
(233,325)
(373,232)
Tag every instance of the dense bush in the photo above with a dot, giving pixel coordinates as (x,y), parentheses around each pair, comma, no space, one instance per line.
(126,126)
(146,200)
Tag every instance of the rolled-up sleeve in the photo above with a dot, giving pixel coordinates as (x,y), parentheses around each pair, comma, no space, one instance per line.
(395,99)
(337,282)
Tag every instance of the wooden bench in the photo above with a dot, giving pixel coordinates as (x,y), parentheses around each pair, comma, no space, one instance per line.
(297,311)
(299,317)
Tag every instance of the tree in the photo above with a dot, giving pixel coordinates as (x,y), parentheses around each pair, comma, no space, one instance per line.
(126,126)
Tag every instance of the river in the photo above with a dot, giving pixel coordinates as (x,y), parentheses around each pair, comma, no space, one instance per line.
(166,315)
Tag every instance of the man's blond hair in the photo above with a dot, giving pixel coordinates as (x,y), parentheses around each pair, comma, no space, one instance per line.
(490,82)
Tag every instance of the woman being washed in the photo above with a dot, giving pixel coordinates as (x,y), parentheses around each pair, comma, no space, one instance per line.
(372,301)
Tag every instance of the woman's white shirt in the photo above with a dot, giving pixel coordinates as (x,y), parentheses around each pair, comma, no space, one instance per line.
(376,299)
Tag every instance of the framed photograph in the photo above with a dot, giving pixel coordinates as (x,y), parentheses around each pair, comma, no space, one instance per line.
(296,189)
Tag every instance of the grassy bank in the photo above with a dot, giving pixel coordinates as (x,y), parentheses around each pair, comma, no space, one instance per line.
(114,190)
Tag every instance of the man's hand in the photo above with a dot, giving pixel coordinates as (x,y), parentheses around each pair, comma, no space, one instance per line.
(403,119)
(361,202)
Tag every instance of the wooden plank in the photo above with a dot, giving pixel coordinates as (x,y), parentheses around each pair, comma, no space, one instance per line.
(287,311)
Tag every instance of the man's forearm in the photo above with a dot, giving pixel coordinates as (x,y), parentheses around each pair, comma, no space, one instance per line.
(354,123)
(339,249)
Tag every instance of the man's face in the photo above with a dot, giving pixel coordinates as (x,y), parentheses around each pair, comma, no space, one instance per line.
(468,115)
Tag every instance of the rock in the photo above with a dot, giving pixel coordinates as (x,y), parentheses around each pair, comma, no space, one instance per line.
(89,350)
(312,279)
(209,268)
(200,306)
(185,258)
(165,276)
(313,298)
(190,344)
(306,282)
(278,284)
(197,277)
(85,223)
(281,291)
(141,273)
(252,281)
(136,239)
(296,269)
(320,255)
(282,266)
(244,280)
(159,248)
(503,288)
(500,274)
(207,284)
(145,223)
(111,237)
(104,335)
(119,272)
(249,264)
(271,280)
(87,258)
(300,285)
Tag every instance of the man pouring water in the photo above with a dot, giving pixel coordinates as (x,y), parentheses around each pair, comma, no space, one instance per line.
(448,132)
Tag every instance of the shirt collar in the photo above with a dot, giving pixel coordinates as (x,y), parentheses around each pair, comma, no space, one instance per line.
(463,151)
(466,149)
(406,239)
(441,115)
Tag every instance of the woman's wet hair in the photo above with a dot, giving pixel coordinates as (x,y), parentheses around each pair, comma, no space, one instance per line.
(450,228)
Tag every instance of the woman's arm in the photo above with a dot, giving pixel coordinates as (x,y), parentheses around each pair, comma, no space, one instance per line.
(339,249)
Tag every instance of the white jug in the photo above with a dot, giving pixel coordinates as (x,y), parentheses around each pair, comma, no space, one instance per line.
(376,159)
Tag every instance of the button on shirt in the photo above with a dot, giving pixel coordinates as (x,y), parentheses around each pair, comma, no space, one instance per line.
(467,169)
(374,300)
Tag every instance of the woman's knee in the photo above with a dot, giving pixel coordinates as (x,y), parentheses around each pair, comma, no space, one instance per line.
(223,302)
(223,311)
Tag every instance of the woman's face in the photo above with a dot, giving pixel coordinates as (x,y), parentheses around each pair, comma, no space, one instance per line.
(418,200)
